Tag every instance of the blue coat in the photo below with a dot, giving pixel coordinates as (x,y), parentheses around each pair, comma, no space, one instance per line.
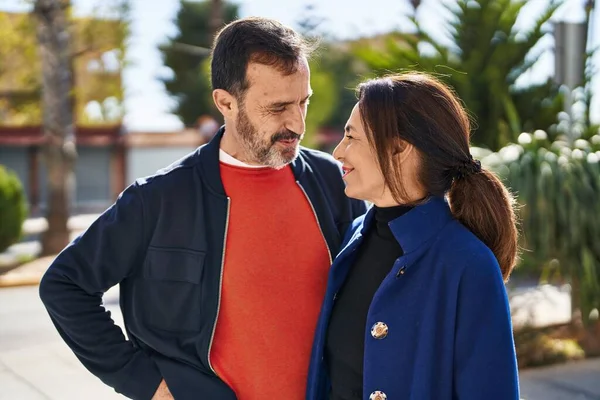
(445,307)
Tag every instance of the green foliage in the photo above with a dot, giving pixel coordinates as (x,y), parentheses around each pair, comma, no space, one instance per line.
(101,43)
(535,349)
(333,79)
(13,208)
(98,49)
(486,58)
(558,187)
(19,70)
(345,76)
(323,102)
(190,83)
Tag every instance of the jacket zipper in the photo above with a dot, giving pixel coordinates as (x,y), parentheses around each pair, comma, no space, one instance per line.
(212,336)
(317,219)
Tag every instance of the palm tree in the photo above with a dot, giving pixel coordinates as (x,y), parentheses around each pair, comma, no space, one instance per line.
(216,17)
(57,99)
(483,63)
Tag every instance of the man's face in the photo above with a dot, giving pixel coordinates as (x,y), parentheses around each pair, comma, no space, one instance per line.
(271,115)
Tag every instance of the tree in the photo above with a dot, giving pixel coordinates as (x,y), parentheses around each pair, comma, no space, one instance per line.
(57,96)
(187,55)
(486,57)
(333,78)
(98,49)
(216,16)
(20,90)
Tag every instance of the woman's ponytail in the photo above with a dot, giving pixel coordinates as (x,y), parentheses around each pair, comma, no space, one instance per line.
(483,204)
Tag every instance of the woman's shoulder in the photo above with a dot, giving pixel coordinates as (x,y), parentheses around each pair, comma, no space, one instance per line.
(462,248)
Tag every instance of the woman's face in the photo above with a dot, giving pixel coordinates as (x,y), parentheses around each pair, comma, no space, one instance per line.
(362,174)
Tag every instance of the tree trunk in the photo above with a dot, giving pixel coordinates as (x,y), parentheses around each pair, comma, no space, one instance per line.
(216,16)
(57,103)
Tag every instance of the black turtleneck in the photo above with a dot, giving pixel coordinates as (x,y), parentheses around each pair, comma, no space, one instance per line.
(346,333)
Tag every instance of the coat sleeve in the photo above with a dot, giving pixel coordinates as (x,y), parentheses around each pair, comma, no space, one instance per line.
(485,364)
(72,290)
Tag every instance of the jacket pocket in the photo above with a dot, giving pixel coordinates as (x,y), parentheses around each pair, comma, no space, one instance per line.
(170,289)
(175,265)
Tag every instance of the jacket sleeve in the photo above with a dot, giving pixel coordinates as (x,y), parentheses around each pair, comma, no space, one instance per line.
(72,289)
(485,364)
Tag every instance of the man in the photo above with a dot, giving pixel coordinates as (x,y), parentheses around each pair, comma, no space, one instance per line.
(222,258)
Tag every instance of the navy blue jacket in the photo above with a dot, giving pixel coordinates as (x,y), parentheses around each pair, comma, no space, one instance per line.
(163,242)
(449,331)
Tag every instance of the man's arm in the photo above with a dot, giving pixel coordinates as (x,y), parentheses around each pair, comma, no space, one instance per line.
(485,361)
(72,290)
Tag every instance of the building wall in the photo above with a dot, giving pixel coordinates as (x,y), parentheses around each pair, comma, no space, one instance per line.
(145,161)
(92,188)
(93,177)
(102,170)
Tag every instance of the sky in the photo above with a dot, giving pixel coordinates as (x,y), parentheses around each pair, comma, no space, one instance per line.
(148,106)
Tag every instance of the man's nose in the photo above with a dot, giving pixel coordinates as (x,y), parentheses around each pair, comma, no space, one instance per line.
(296,120)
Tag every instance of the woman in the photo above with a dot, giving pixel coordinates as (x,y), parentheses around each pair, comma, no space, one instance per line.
(416,306)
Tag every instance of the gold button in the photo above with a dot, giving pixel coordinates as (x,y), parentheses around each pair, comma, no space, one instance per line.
(379,330)
(378,395)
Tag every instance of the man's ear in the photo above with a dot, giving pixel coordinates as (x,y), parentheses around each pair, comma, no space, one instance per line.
(225,102)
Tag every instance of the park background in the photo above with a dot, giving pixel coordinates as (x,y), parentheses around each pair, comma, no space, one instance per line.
(126,91)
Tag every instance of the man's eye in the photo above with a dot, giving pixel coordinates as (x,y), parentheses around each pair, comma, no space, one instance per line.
(278,110)
(349,137)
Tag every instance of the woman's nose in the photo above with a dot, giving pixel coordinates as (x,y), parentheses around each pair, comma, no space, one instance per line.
(338,151)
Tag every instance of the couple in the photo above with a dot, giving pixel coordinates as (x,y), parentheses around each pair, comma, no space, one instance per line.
(252,269)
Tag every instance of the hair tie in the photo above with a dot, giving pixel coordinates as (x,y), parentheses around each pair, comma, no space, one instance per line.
(469,167)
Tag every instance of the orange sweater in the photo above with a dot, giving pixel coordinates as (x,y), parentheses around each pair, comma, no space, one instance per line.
(274,280)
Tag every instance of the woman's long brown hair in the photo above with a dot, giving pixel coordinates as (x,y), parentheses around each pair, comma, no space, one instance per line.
(419,109)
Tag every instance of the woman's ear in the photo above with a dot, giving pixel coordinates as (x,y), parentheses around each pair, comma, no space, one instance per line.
(403,150)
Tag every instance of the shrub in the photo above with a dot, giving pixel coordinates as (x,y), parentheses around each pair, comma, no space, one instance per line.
(13,208)
(558,188)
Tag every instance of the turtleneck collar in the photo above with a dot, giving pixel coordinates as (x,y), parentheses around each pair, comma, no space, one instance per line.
(384,215)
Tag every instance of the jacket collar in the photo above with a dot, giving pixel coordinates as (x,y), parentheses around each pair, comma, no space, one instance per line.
(209,163)
(417,226)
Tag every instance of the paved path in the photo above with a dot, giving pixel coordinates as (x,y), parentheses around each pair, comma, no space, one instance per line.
(34,362)
(575,381)
(36,365)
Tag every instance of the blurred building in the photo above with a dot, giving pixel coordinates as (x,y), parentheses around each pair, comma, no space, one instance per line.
(109,159)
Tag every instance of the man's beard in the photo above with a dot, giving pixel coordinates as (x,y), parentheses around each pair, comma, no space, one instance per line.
(261,152)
